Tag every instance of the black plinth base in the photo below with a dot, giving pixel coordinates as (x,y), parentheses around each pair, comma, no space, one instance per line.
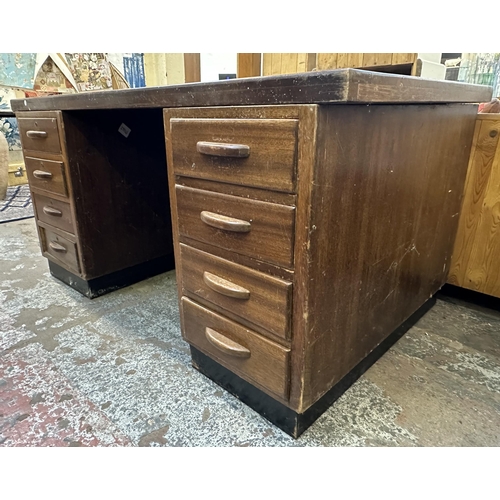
(477,298)
(277,413)
(104,284)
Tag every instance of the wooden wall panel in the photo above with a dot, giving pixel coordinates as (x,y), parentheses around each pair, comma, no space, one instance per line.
(475,261)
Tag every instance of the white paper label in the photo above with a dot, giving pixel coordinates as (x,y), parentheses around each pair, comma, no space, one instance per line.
(124,130)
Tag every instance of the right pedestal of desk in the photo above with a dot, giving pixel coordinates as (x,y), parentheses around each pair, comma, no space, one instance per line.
(305,235)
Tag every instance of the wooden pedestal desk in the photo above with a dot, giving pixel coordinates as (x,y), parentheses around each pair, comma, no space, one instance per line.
(313,215)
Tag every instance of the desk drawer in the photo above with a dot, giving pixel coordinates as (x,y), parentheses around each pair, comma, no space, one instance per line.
(47,175)
(259,153)
(255,296)
(261,230)
(54,212)
(40,134)
(60,249)
(239,349)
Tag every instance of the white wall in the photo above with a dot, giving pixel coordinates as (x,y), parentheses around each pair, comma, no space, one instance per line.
(211,64)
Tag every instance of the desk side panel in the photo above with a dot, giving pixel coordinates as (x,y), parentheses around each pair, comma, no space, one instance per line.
(387,190)
(120,187)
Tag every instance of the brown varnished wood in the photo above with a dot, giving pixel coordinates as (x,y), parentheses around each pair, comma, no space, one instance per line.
(321,87)
(53,241)
(267,304)
(242,320)
(267,365)
(270,238)
(192,67)
(53,159)
(475,262)
(271,156)
(375,87)
(40,133)
(248,65)
(117,178)
(54,212)
(381,171)
(308,156)
(244,260)
(46,175)
(243,191)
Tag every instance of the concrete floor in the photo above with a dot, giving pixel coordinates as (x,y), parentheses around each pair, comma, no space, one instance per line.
(114,371)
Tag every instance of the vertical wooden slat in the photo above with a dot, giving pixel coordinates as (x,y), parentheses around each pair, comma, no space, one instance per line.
(342,60)
(301,63)
(354,60)
(192,68)
(267,60)
(248,65)
(311,61)
(288,63)
(275,64)
(327,61)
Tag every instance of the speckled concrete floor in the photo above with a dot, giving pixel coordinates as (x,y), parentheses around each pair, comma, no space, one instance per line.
(114,371)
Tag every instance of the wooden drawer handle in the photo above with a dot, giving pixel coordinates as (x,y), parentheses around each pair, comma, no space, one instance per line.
(36,134)
(223,149)
(57,247)
(41,174)
(52,211)
(224,222)
(226,345)
(225,287)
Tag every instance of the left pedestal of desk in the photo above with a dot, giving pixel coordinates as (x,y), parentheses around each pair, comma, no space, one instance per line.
(101,222)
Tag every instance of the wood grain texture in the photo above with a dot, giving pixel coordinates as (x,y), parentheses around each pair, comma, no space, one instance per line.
(477,246)
(373,87)
(381,59)
(404,58)
(192,68)
(289,63)
(268,363)
(317,87)
(46,175)
(248,65)
(49,142)
(271,235)
(54,212)
(51,238)
(235,190)
(326,61)
(271,158)
(117,178)
(387,249)
(269,301)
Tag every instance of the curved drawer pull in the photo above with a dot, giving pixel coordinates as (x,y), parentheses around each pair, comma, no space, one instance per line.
(225,287)
(223,149)
(226,345)
(36,134)
(57,247)
(224,222)
(41,174)
(52,211)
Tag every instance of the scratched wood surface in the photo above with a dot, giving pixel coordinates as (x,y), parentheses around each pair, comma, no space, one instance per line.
(476,255)
(313,87)
(385,192)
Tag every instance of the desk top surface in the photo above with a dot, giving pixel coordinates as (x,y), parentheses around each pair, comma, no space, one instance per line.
(321,87)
